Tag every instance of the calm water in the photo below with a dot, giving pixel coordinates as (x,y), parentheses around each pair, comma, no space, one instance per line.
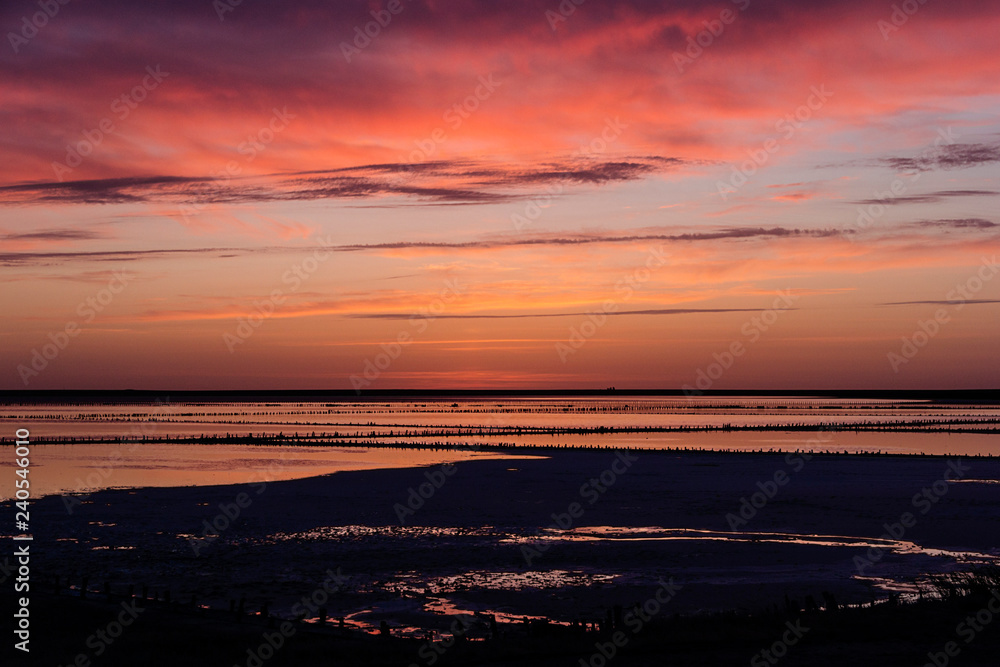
(350,427)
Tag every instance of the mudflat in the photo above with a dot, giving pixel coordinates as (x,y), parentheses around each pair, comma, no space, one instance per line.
(565,537)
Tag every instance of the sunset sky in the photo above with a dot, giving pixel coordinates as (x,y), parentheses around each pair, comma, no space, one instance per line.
(526,194)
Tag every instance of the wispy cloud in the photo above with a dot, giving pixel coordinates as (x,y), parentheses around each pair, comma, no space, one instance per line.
(478,316)
(929,198)
(42,258)
(444,182)
(537,240)
(951,156)
(53,235)
(95,191)
(594,238)
(939,302)
(958,223)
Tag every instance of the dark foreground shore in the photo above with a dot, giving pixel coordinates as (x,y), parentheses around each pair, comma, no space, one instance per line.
(544,559)
(74,631)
